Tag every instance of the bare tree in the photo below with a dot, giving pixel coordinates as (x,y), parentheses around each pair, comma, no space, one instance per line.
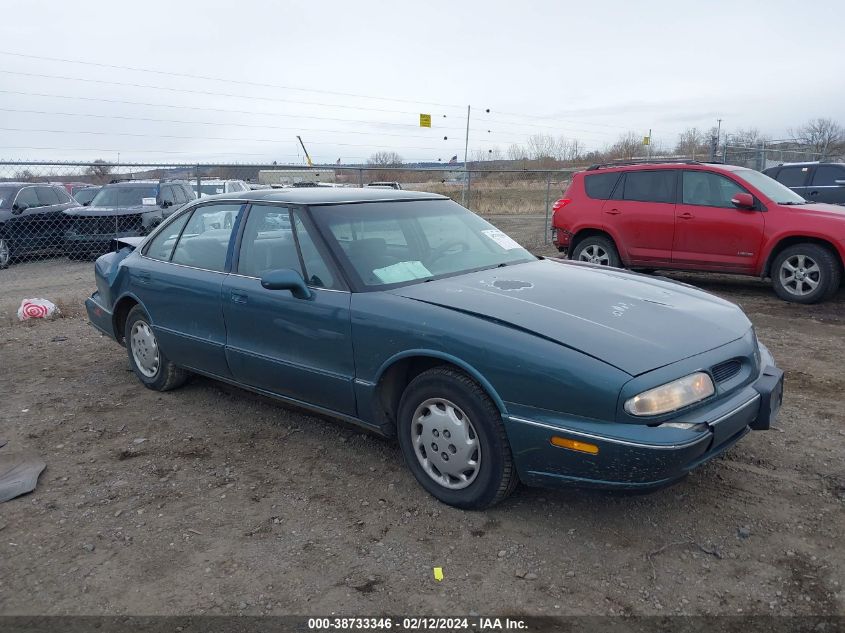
(628,145)
(692,142)
(385,159)
(100,170)
(517,152)
(822,136)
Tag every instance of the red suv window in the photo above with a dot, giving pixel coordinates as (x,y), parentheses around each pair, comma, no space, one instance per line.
(600,186)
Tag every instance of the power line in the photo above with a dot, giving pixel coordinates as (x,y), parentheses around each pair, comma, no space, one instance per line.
(206,93)
(215,138)
(229,81)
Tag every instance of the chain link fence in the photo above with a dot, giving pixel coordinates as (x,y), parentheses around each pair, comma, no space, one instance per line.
(57,217)
(761,157)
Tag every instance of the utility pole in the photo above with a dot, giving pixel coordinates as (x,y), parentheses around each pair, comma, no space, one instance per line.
(466,166)
(648,147)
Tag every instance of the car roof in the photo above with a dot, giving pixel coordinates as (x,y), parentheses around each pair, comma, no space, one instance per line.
(327,195)
(658,164)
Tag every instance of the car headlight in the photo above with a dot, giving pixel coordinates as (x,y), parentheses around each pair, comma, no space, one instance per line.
(672,396)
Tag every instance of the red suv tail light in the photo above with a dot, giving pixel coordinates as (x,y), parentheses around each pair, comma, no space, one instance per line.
(561,203)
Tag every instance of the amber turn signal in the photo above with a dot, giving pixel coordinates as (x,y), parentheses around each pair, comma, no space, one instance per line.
(575,445)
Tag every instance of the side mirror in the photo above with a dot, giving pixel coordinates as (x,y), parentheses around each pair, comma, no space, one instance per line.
(85,204)
(286,279)
(743,201)
(19,208)
(165,204)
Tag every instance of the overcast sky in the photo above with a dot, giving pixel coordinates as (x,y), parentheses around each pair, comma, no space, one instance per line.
(352,77)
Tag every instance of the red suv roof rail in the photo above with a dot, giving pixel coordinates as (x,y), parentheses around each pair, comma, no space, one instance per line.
(651,161)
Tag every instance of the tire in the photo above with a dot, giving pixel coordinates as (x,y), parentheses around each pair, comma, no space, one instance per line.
(155,372)
(806,273)
(465,412)
(597,249)
(5,253)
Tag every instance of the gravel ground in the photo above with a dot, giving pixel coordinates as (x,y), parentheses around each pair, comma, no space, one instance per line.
(210,500)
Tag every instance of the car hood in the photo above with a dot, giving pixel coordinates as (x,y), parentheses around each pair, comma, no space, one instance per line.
(819,208)
(98,212)
(636,323)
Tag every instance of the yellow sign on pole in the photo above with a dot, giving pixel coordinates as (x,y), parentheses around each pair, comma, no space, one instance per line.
(425,120)
(646,140)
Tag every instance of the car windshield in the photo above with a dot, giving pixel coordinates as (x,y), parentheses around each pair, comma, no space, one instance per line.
(122,196)
(210,190)
(389,244)
(769,187)
(7,194)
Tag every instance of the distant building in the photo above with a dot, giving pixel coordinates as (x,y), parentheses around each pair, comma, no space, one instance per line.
(293,176)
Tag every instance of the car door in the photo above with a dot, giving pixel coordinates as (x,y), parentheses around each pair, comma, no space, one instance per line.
(827,184)
(51,219)
(25,226)
(179,280)
(796,177)
(710,232)
(641,215)
(296,348)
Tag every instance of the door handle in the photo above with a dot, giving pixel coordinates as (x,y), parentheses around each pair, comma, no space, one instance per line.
(613,212)
(686,216)
(814,193)
(238,297)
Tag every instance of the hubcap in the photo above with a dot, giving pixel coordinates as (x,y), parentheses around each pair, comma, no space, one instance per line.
(445,443)
(595,254)
(5,254)
(800,275)
(144,349)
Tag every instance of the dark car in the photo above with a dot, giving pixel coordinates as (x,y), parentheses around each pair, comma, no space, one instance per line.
(85,195)
(408,315)
(31,219)
(73,187)
(815,182)
(122,209)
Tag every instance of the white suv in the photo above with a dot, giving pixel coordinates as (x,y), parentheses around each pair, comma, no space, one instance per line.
(214,186)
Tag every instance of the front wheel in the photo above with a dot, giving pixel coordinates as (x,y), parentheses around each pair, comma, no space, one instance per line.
(453,440)
(598,250)
(148,361)
(5,253)
(805,273)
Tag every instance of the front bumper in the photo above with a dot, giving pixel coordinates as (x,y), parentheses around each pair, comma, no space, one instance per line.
(632,456)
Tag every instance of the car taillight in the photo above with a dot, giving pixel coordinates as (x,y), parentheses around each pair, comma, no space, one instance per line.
(561,203)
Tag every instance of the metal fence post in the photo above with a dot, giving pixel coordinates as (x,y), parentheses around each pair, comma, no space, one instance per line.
(547,228)
(361,178)
(468,189)
(199,189)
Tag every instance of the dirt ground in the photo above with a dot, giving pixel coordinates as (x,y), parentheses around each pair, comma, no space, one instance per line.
(210,500)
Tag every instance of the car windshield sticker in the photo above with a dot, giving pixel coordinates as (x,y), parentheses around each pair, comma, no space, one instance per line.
(148,201)
(505,241)
(403,271)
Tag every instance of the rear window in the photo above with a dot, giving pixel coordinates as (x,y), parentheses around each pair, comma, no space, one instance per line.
(600,186)
(827,175)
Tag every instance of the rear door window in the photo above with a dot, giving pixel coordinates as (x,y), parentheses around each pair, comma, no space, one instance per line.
(650,186)
(793,176)
(827,175)
(600,186)
(161,246)
(46,196)
(205,241)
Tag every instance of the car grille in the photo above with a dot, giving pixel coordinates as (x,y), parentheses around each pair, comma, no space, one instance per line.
(107,225)
(727,370)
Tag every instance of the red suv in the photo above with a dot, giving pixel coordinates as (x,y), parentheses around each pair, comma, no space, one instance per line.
(700,216)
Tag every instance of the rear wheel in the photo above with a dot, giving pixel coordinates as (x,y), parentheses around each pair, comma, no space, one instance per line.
(597,249)
(148,361)
(805,273)
(453,440)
